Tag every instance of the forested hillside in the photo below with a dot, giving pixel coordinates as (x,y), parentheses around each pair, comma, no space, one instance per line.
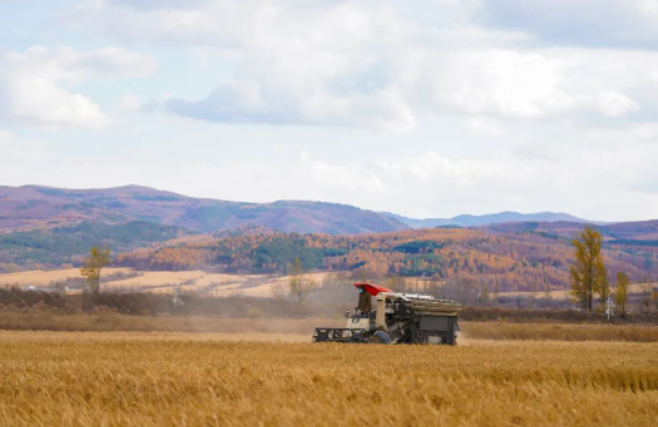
(36,208)
(523,260)
(38,249)
(42,228)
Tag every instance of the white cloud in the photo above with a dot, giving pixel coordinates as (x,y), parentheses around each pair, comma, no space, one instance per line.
(249,101)
(129,103)
(375,64)
(615,104)
(597,178)
(36,85)
(538,106)
(341,178)
(503,82)
(600,185)
(621,23)
(544,83)
(485,126)
(22,157)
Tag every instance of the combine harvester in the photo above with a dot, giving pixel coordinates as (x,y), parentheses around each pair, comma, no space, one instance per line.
(397,319)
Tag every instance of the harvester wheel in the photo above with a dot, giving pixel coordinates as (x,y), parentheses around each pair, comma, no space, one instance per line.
(380,337)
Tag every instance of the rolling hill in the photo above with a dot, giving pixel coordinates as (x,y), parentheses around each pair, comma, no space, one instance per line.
(44,248)
(524,258)
(642,232)
(480,220)
(36,207)
(43,227)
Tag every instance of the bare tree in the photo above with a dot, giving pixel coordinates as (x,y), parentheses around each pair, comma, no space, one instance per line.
(547,291)
(299,283)
(496,292)
(484,294)
(396,283)
(434,285)
(278,290)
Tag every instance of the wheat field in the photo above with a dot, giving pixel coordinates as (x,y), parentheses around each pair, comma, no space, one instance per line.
(78,379)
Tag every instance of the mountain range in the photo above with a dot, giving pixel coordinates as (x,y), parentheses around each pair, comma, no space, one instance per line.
(38,207)
(35,207)
(480,220)
(44,226)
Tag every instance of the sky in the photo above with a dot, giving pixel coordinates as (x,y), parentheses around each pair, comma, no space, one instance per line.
(425,108)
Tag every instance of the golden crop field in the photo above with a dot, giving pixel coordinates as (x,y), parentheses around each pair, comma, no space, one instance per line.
(80,379)
(216,284)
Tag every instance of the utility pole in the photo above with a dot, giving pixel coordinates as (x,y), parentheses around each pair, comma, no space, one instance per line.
(177,301)
(609,306)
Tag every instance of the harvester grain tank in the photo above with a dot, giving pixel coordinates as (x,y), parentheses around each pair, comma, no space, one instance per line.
(397,318)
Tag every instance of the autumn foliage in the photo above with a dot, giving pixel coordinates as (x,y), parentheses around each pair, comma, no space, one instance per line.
(500,262)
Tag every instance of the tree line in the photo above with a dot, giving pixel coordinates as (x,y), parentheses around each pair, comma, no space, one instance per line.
(513,262)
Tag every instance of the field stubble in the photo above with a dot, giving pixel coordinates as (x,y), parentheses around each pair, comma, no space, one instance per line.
(131,381)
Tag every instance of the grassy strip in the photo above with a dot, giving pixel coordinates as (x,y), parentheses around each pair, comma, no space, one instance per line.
(494,330)
(559,332)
